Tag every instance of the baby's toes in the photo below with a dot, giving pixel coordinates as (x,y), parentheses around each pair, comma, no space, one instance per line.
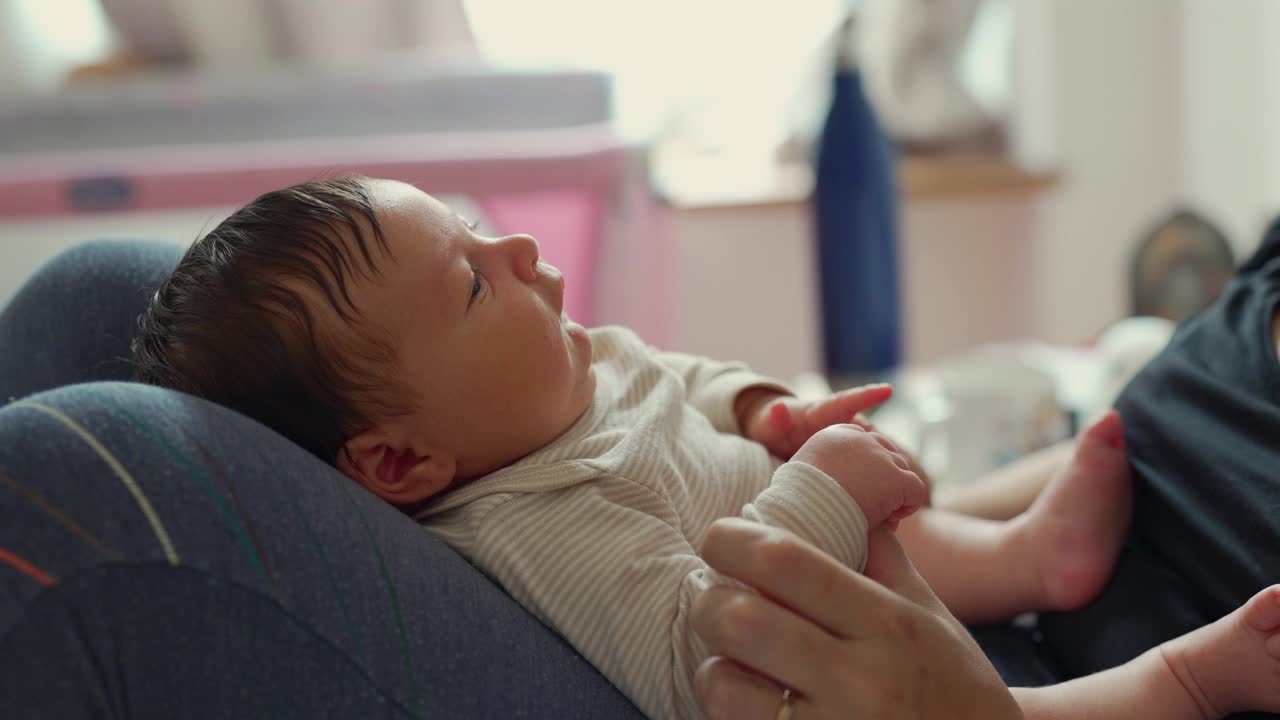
(1262,612)
(1101,445)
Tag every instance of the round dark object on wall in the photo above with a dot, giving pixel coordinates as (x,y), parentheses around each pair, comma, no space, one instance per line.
(1180,267)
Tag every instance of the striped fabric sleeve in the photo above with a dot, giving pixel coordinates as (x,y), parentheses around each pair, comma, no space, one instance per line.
(711,386)
(810,503)
(607,565)
(614,579)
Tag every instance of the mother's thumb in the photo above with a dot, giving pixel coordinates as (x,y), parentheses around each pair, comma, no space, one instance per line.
(888,565)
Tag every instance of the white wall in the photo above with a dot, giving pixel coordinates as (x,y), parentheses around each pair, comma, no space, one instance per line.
(1110,128)
(1230,105)
(1142,106)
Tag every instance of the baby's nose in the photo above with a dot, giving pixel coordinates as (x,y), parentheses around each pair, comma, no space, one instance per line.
(525,255)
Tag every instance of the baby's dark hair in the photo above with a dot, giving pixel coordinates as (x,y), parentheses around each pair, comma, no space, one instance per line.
(236,322)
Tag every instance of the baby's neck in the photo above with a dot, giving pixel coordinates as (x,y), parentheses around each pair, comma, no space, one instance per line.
(466,475)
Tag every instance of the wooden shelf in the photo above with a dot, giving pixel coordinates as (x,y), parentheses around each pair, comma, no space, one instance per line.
(707,182)
(935,176)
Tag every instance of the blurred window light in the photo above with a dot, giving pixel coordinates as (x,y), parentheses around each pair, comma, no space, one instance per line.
(73,31)
(742,70)
(669,58)
(41,40)
(986,61)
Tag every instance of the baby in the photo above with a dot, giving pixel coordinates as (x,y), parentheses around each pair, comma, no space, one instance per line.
(367,322)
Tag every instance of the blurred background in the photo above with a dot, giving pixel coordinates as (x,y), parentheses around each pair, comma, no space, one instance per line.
(725,176)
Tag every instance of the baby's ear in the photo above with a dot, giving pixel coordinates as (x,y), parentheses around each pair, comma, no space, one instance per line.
(397,472)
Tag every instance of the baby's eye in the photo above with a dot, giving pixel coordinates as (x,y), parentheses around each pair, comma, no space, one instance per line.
(476,281)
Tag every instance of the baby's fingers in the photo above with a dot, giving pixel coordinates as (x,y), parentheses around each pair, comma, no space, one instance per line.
(842,406)
(863,422)
(779,419)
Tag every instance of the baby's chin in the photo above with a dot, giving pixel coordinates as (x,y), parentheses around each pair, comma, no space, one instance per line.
(577,334)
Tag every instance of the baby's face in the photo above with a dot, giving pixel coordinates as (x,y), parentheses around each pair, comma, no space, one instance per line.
(497,367)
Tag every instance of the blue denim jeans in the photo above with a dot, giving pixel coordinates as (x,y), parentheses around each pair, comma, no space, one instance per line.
(161,556)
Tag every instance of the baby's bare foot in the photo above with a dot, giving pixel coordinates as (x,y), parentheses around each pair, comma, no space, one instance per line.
(1074,530)
(1232,665)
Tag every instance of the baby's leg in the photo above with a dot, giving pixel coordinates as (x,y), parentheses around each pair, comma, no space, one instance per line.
(1007,492)
(1232,665)
(1056,556)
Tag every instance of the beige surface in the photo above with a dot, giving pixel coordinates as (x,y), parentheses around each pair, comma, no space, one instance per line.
(745,278)
(745,273)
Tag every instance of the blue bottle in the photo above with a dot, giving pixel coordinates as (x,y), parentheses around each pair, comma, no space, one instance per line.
(855,207)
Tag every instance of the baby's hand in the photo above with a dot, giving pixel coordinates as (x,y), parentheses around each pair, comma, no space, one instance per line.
(784,424)
(870,469)
(912,461)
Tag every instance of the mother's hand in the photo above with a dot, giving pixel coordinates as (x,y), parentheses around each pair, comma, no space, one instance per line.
(844,644)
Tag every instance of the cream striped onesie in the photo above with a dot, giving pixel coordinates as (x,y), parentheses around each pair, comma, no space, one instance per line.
(597,533)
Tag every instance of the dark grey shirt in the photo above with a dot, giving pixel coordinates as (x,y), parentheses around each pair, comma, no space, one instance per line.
(1203,434)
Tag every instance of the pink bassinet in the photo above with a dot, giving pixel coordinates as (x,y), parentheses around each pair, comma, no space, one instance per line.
(535,150)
